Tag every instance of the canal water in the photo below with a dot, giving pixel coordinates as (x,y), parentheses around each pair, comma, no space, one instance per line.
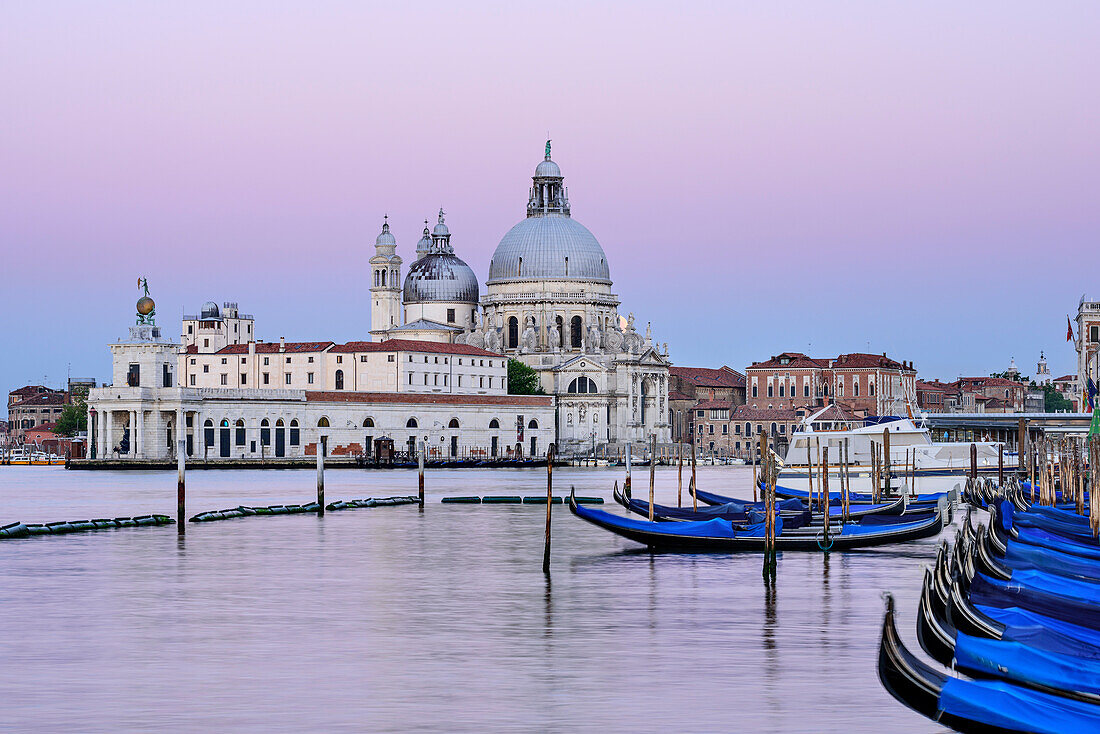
(386,619)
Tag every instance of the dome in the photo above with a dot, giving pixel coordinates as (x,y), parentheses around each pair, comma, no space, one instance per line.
(553,247)
(210,310)
(547,169)
(440,277)
(440,230)
(385,237)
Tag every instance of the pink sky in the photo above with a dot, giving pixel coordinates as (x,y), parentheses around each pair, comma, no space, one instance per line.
(823,177)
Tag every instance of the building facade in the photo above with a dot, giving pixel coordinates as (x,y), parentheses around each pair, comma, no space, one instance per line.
(31,406)
(1088,348)
(691,385)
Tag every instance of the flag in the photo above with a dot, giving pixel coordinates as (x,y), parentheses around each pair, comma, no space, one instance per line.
(1091,388)
(1069,329)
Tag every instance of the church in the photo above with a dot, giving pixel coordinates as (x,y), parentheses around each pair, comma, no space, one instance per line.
(549,303)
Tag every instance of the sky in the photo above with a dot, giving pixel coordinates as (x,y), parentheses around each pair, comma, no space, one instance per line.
(824,177)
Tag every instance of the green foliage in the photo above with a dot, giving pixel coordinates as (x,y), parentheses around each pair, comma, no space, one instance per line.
(1054,401)
(522,380)
(73,420)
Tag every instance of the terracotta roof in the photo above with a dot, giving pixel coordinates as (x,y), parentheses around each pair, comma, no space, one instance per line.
(677,395)
(1066,378)
(862,360)
(936,386)
(32,390)
(437,398)
(46,398)
(997,403)
(747,413)
(713,404)
(709,377)
(45,427)
(797,360)
(414,345)
(276,347)
(973,382)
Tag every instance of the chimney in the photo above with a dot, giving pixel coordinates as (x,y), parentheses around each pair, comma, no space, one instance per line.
(282,343)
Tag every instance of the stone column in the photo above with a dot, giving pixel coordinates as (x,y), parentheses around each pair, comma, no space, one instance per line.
(139,432)
(180,433)
(101,439)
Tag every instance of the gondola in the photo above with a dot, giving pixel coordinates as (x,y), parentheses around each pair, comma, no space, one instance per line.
(794,512)
(930,499)
(892,506)
(974,705)
(721,536)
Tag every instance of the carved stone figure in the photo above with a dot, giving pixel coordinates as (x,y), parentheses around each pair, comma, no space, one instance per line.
(492,340)
(593,338)
(630,322)
(530,339)
(555,338)
(633,342)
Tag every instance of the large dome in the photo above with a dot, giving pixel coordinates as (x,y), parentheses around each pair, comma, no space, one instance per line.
(440,277)
(552,247)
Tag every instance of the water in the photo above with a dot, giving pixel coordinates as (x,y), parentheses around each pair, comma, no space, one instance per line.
(386,619)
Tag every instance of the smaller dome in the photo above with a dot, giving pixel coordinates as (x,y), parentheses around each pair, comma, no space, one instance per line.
(547,169)
(210,310)
(385,237)
(440,230)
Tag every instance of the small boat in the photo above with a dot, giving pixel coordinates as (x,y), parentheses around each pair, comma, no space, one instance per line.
(856,498)
(793,512)
(722,536)
(894,506)
(974,705)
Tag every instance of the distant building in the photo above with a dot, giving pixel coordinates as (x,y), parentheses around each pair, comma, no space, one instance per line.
(32,406)
(868,384)
(989,395)
(932,396)
(1088,347)
(725,430)
(1042,371)
(690,385)
(1067,385)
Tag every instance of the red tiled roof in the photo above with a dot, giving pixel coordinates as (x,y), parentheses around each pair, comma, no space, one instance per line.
(709,377)
(932,386)
(713,404)
(32,390)
(46,398)
(1066,378)
(997,403)
(747,413)
(276,347)
(798,360)
(414,345)
(677,395)
(420,398)
(973,382)
(862,360)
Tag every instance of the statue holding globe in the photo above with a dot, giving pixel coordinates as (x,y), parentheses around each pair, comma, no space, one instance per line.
(146,307)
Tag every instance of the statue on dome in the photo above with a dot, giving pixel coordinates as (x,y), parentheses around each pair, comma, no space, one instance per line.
(146,307)
(548,150)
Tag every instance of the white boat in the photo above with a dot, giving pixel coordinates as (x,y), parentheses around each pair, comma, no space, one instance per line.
(911,448)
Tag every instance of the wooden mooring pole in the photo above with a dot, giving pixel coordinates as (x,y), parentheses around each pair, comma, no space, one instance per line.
(420,473)
(886,459)
(974,461)
(181,486)
(652,468)
(694,486)
(321,442)
(626,483)
(549,504)
(1000,465)
(680,478)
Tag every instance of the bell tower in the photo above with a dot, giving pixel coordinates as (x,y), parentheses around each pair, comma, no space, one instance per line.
(385,291)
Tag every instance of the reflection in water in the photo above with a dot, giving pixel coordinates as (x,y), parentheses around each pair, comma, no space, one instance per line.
(441,621)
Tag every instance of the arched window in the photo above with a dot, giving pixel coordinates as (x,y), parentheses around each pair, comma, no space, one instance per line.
(494,423)
(265,432)
(453,423)
(559,324)
(339,379)
(294,432)
(410,423)
(582,385)
(773,429)
(208,432)
(279,423)
(575,332)
(368,423)
(513,332)
(383,277)
(209,424)
(224,423)
(240,432)
(533,424)
(323,423)
(855,388)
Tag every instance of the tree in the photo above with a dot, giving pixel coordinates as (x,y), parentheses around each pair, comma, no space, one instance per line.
(522,380)
(1054,401)
(73,420)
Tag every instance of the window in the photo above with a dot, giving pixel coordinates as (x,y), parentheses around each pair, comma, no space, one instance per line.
(323,422)
(513,332)
(225,378)
(368,423)
(208,432)
(450,315)
(781,389)
(855,388)
(425,378)
(575,332)
(392,358)
(205,343)
(244,378)
(240,433)
(309,378)
(192,362)
(754,391)
(410,423)
(192,380)
(339,379)
(460,380)
(805,389)
(133,376)
(494,423)
(294,434)
(310,360)
(339,359)
(223,360)
(453,423)
(244,360)
(166,378)
(190,328)
(582,385)
(267,360)
(410,378)
(288,360)
(206,368)
(1094,334)
(770,391)
(737,429)
(710,429)
(287,378)
(362,358)
(534,424)
(265,432)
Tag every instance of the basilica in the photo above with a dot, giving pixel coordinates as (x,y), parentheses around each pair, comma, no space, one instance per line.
(549,303)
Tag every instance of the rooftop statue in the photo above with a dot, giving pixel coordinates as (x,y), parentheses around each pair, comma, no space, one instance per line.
(547,149)
(146,307)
